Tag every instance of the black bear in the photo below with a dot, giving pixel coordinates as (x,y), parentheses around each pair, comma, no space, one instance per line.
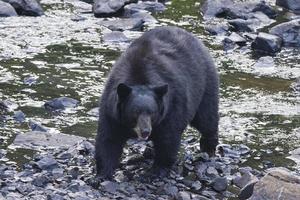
(163,82)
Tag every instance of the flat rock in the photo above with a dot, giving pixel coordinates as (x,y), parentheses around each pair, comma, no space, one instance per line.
(295,154)
(132,24)
(267,43)
(146,5)
(46,162)
(6,10)
(293,5)
(61,103)
(278,183)
(265,62)
(217,29)
(37,127)
(235,38)
(289,32)
(115,36)
(36,140)
(108,8)
(27,7)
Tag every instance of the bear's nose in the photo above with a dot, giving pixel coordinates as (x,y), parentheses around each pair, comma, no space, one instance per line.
(145,133)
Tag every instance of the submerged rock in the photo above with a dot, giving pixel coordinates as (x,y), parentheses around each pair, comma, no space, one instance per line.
(293,5)
(278,183)
(289,32)
(27,7)
(6,10)
(133,24)
(19,116)
(267,44)
(37,127)
(61,103)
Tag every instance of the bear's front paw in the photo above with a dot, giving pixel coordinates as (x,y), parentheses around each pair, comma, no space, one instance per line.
(159,171)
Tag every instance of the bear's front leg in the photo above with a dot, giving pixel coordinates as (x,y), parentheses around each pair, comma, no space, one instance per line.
(166,148)
(109,148)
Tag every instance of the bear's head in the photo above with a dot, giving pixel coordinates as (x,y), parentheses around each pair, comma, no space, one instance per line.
(141,107)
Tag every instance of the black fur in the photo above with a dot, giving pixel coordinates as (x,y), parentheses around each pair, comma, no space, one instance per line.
(181,69)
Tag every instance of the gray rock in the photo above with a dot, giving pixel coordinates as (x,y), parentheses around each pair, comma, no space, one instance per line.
(295,154)
(55,197)
(242,181)
(240,25)
(61,103)
(36,140)
(133,24)
(143,15)
(247,191)
(266,9)
(37,127)
(196,185)
(94,112)
(57,172)
(19,116)
(217,29)
(109,186)
(46,163)
(171,190)
(235,38)
(7,106)
(6,10)
(108,8)
(41,181)
(219,184)
(293,5)
(289,32)
(27,7)
(147,5)
(115,36)
(183,195)
(278,183)
(30,80)
(267,44)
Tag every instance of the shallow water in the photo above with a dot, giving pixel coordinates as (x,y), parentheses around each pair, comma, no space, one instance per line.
(258,107)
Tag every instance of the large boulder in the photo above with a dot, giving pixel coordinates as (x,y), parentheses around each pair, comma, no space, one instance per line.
(293,5)
(6,10)
(27,7)
(267,44)
(278,183)
(289,32)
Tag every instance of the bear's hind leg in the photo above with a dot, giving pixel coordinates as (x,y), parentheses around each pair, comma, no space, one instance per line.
(206,121)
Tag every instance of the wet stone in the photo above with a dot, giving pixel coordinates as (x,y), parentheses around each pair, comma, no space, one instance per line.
(289,32)
(170,190)
(28,7)
(115,36)
(19,116)
(267,44)
(292,5)
(220,184)
(61,103)
(30,80)
(41,181)
(196,185)
(147,5)
(37,127)
(132,24)
(183,195)
(108,8)
(46,163)
(266,9)
(6,10)
(109,186)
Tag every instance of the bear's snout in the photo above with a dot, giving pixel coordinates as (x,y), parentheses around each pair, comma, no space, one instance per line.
(143,127)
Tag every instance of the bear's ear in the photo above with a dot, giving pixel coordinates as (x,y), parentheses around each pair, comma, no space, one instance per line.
(123,91)
(160,91)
